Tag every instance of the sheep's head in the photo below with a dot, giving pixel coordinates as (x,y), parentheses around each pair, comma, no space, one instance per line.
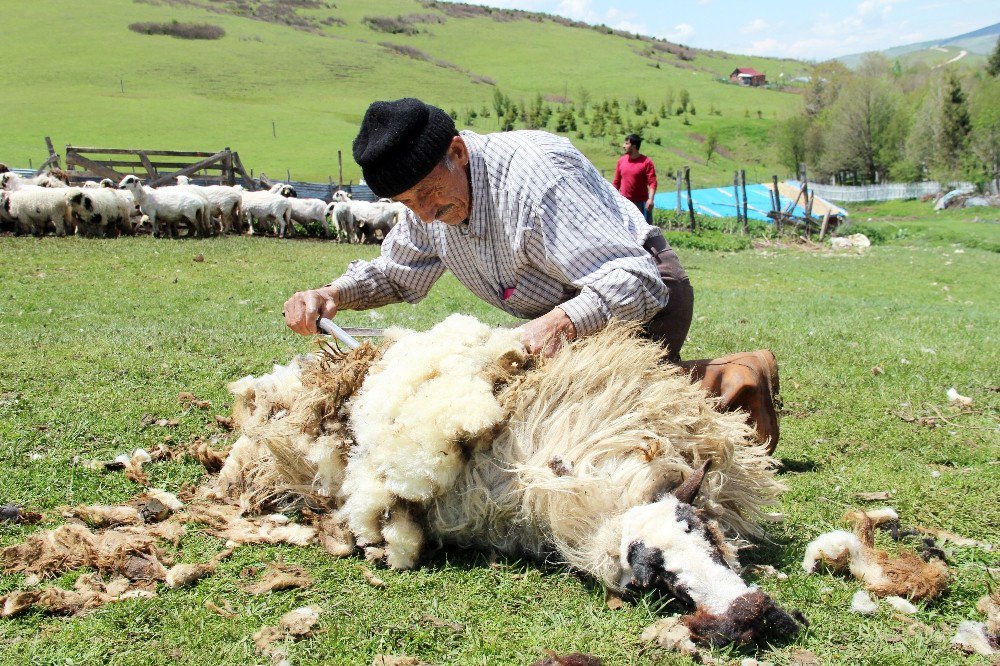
(670,546)
(288,191)
(7,179)
(130,182)
(107,182)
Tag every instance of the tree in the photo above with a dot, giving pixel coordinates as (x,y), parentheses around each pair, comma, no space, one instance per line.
(824,86)
(684,99)
(993,64)
(790,139)
(711,143)
(865,127)
(985,108)
(584,96)
(955,125)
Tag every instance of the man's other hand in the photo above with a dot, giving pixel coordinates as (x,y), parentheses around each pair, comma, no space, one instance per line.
(304,308)
(547,334)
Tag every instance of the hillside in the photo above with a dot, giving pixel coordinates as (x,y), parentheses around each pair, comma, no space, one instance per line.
(77,73)
(970,49)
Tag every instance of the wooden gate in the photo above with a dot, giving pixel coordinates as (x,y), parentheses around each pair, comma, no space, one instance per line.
(156,167)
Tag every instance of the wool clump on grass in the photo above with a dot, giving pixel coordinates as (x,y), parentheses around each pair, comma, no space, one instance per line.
(906,575)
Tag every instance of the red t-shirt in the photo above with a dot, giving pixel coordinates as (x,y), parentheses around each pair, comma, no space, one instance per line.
(634,178)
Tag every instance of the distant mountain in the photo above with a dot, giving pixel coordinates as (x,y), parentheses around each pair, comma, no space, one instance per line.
(970,48)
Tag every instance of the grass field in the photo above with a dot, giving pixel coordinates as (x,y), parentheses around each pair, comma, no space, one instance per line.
(97,334)
(75,72)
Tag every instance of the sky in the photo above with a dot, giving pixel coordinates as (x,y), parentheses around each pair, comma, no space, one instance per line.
(816,30)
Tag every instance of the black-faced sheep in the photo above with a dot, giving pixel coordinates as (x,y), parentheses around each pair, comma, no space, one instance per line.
(604,458)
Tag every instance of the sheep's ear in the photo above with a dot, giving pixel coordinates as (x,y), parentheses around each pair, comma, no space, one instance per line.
(687,491)
(75,199)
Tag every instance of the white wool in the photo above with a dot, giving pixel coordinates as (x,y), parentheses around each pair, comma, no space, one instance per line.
(325,453)
(901,605)
(428,397)
(712,585)
(862,603)
(141,457)
(843,545)
(403,540)
(168,500)
(971,636)
(884,515)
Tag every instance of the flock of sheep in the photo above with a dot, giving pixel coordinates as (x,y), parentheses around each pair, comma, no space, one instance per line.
(46,203)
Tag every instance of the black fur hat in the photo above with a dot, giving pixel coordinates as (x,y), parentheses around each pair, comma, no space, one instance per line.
(400,142)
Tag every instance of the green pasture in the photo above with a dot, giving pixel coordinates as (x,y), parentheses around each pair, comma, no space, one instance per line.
(75,72)
(97,336)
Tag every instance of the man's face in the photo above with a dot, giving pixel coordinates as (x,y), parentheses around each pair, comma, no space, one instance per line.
(627,147)
(444,194)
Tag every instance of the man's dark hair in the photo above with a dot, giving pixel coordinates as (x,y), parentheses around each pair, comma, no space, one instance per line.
(635,140)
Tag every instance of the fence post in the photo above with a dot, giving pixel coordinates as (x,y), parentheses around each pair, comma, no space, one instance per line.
(736,195)
(340,165)
(743,185)
(678,192)
(777,203)
(687,182)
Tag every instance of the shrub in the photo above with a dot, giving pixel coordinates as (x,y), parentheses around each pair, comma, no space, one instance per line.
(393,26)
(180,30)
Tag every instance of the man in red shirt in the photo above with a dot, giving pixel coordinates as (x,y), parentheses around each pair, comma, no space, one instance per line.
(635,176)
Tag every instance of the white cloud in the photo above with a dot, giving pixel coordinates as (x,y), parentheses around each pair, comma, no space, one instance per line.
(680,32)
(756,25)
(629,26)
(579,10)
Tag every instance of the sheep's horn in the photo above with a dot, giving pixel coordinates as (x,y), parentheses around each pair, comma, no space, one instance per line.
(687,491)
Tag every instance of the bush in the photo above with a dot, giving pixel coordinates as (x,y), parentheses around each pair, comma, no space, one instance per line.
(393,26)
(180,30)
(877,234)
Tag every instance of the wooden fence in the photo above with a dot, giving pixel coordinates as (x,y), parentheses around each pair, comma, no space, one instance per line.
(156,167)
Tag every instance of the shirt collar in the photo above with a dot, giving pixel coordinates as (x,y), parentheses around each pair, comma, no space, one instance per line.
(480,183)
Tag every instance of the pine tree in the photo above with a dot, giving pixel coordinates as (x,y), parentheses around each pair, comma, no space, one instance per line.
(955,124)
(993,64)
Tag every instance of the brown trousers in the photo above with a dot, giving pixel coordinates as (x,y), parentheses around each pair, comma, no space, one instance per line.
(671,324)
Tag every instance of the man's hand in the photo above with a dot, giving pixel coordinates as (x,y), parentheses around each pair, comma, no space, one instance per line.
(649,203)
(304,308)
(547,334)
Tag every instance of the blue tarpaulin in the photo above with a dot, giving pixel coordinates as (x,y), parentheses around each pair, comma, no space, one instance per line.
(721,202)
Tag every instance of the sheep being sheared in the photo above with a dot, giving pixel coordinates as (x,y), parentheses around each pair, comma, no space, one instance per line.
(597,458)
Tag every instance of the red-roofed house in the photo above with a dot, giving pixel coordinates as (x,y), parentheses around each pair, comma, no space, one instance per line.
(747,76)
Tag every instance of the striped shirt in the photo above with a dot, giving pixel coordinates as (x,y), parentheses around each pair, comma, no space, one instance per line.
(545,230)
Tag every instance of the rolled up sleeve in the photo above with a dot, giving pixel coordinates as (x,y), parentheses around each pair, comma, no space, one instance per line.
(405,271)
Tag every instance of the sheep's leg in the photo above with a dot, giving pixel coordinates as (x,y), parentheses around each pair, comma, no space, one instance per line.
(404,539)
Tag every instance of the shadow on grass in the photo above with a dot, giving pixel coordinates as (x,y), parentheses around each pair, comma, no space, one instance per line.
(789,466)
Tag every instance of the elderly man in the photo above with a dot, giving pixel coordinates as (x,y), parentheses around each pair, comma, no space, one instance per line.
(528,224)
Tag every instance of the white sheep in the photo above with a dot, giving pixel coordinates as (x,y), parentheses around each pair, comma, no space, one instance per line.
(597,458)
(170,205)
(268,207)
(224,201)
(10,180)
(304,211)
(102,211)
(366,221)
(35,209)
